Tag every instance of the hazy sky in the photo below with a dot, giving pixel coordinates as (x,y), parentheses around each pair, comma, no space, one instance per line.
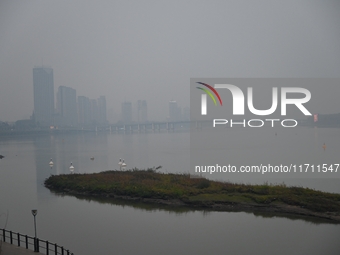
(130,50)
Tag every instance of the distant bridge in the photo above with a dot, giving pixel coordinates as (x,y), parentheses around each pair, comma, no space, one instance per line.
(150,126)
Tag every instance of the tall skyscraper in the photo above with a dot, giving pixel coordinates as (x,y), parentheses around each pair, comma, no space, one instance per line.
(84,110)
(174,111)
(67,106)
(94,111)
(142,111)
(43,92)
(102,109)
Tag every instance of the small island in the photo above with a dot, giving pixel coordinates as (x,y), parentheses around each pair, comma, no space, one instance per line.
(150,186)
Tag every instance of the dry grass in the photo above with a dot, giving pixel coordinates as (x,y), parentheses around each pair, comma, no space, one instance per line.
(150,184)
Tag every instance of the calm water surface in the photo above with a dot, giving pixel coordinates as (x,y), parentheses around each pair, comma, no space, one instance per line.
(104,227)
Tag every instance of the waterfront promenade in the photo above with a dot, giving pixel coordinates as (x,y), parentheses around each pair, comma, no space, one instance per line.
(16,243)
(11,249)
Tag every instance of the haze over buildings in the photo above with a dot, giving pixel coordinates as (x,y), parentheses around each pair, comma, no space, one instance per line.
(81,111)
(126,117)
(174,111)
(43,86)
(84,111)
(102,109)
(142,111)
(66,107)
(68,111)
(131,50)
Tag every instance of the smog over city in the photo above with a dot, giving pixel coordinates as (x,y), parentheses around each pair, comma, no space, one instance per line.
(130,51)
(169,127)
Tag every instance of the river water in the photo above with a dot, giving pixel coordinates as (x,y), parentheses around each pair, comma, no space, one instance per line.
(87,226)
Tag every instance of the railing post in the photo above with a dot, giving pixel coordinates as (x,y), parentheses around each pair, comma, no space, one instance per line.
(37,244)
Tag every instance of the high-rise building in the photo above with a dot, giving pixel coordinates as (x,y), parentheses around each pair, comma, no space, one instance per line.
(43,91)
(174,111)
(102,110)
(126,112)
(67,106)
(84,110)
(94,111)
(142,111)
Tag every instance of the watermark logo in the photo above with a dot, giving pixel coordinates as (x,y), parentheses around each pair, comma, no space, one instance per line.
(281,97)
(238,99)
(204,97)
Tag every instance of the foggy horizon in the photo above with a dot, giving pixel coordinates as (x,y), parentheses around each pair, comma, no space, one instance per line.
(131,51)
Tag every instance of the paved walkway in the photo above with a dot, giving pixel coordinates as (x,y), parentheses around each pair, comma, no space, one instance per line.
(11,249)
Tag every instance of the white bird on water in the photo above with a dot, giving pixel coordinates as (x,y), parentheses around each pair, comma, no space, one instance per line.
(71,168)
(123,164)
(120,164)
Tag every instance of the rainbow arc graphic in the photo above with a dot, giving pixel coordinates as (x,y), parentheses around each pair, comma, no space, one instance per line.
(204,97)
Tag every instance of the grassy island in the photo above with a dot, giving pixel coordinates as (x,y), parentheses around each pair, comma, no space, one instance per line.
(181,189)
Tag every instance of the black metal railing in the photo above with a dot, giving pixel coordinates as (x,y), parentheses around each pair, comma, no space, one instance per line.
(32,243)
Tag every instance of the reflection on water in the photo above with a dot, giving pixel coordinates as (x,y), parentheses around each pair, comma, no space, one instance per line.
(155,207)
(102,226)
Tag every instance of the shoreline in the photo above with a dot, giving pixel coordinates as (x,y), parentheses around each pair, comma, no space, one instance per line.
(198,193)
(214,206)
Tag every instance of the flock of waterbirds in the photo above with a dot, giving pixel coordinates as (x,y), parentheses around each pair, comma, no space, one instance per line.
(122,164)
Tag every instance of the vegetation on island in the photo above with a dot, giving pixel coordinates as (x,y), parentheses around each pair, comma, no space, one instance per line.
(183,189)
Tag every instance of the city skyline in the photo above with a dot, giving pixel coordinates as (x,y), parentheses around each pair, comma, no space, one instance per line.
(66,108)
(140,51)
(67,111)
(139,112)
(139,109)
(71,111)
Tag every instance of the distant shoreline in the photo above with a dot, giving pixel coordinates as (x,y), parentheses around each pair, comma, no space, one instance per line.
(31,132)
(149,186)
(14,133)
